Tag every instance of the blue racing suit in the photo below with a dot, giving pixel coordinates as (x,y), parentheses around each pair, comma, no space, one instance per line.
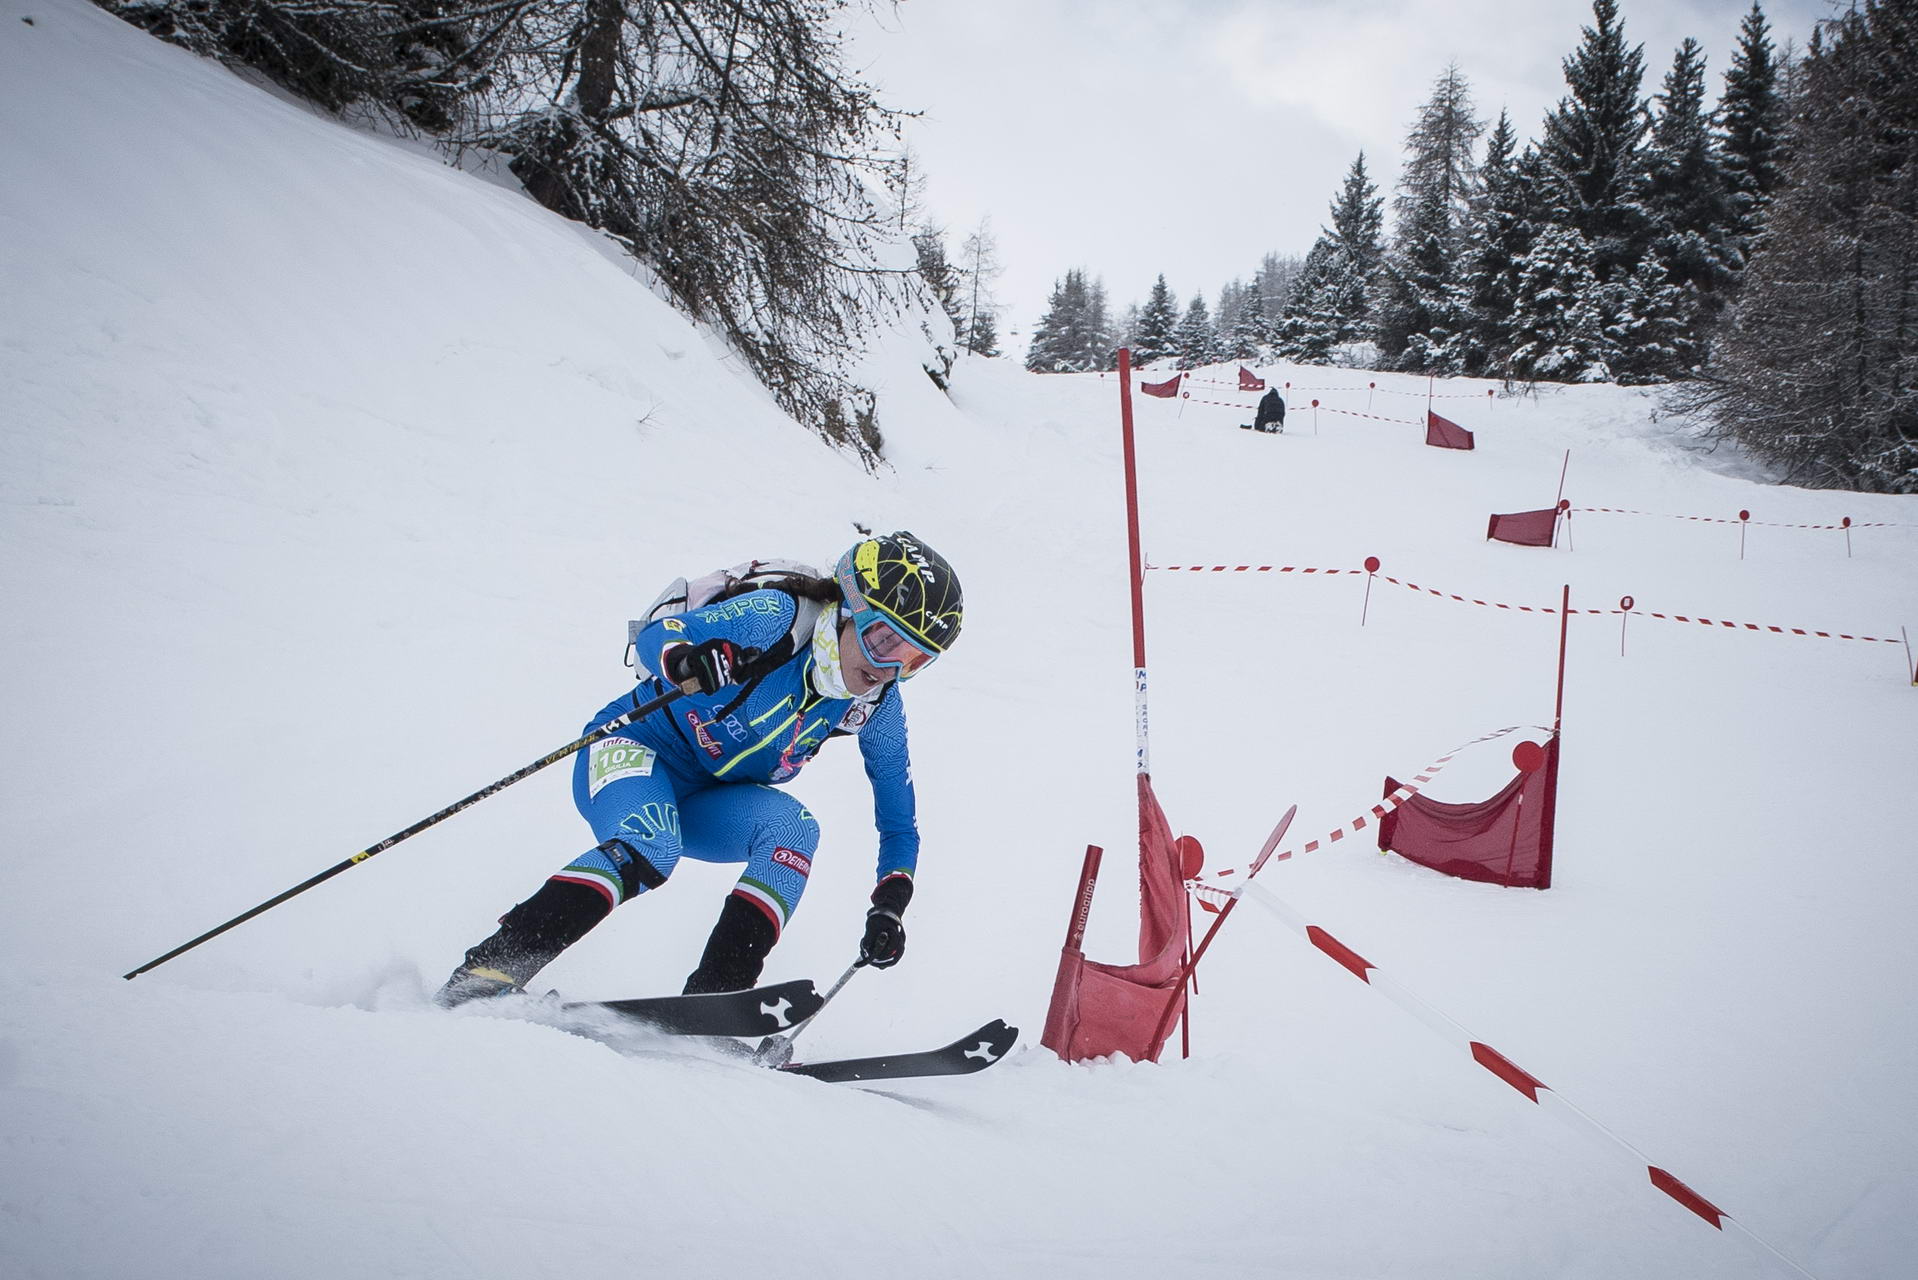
(697,777)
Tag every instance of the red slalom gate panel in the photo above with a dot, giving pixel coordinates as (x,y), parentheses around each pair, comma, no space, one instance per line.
(1443,433)
(1504,840)
(1524,528)
(1099,1009)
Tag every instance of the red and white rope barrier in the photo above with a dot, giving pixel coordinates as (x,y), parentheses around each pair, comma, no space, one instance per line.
(1807,632)
(1399,796)
(1770,524)
(1642,613)
(1244,568)
(1534,1090)
(1397,422)
(1228,404)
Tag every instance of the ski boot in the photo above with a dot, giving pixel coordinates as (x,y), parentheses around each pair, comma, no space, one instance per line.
(736,951)
(529,938)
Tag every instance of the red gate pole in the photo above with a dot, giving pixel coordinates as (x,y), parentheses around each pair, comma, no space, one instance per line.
(1136,563)
(1058,1032)
(1136,566)
(1082,901)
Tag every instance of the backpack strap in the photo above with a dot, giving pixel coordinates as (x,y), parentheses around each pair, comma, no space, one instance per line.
(805,618)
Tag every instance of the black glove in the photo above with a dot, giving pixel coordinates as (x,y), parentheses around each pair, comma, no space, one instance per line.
(706,667)
(885,939)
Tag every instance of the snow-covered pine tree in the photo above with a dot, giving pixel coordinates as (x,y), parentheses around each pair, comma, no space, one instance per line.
(1593,146)
(1101,349)
(1251,336)
(1750,120)
(1331,302)
(1128,327)
(929,242)
(1309,328)
(1693,225)
(1153,339)
(1226,314)
(1278,275)
(1653,325)
(1501,235)
(1071,329)
(981,336)
(1814,368)
(1559,328)
(1196,342)
(1430,214)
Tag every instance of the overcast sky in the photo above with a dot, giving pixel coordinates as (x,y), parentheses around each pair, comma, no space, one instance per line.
(1192,137)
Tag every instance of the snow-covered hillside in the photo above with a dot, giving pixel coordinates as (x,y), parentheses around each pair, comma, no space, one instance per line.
(328,478)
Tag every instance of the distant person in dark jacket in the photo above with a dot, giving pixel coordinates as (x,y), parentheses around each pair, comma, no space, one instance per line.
(1271,416)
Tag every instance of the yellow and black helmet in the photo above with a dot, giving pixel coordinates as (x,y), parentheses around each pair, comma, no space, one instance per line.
(898,578)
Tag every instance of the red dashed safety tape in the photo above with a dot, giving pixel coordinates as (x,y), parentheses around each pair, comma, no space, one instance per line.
(1770,524)
(1645,613)
(1436,395)
(1229,404)
(1534,1090)
(1244,568)
(1808,632)
(1354,391)
(1398,797)
(1400,422)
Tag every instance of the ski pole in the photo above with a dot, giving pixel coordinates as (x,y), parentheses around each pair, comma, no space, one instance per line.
(777,1051)
(604,731)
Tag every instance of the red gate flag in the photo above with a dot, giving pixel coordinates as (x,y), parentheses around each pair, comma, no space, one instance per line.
(1525,528)
(1505,840)
(1099,1009)
(1250,381)
(1443,433)
(1164,390)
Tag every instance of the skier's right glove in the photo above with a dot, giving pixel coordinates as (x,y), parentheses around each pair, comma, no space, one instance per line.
(884,942)
(706,667)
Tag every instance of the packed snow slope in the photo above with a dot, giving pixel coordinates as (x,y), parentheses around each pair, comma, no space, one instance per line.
(329,476)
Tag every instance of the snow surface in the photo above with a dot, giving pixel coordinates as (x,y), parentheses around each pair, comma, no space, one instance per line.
(329,475)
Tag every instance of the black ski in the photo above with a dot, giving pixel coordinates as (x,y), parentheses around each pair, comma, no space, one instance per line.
(963,1056)
(763,1011)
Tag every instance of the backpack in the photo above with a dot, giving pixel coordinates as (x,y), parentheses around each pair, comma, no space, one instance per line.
(682,595)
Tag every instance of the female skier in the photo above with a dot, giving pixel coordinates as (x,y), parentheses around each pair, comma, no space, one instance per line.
(767,676)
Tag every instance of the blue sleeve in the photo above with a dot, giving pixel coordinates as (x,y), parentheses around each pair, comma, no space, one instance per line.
(882,741)
(755,620)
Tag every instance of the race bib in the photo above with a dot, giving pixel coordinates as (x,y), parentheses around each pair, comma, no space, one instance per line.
(616,758)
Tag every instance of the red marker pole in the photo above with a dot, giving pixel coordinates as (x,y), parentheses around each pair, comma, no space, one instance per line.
(1743,516)
(1488,397)
(1136,565)
(1370,387)
(1847,528)
(1315,417)
(1625,612)
(1371,567)
(1058,1031)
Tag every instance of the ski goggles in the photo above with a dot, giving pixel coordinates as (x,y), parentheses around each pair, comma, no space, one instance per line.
(887,647)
